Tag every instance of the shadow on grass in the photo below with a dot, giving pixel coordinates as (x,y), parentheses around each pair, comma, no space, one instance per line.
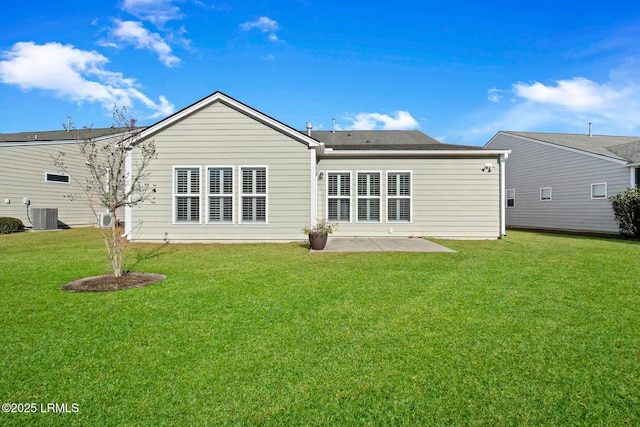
(140,255)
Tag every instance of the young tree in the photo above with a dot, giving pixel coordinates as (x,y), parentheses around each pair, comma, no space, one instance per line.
(626,208)
(108,184)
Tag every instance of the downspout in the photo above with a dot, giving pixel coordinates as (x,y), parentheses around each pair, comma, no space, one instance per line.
(128,213)
(503,199)
(314,186)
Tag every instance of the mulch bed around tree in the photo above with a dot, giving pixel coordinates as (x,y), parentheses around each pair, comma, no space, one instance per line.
(108,282)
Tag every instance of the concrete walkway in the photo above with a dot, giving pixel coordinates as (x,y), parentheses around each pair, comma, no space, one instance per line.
(381,244)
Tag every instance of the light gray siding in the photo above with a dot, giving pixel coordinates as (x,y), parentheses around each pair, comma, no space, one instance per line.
(569,173)
(215,136)
(22,174)
(451,197)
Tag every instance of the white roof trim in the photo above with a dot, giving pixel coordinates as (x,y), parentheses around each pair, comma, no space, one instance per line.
(221,97)
(561,147)
(414,153)
(58,142)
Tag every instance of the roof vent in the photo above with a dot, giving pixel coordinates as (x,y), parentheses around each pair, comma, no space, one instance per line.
(309,127)
(590,128)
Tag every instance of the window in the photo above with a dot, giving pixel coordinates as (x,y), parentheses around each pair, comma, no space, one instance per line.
(187,194)
(220,194)
(511,198)
(599,191)
(57,178)
(399,196)
(254,194)
(637,176)
(545,194)
(368,196)
(339,196)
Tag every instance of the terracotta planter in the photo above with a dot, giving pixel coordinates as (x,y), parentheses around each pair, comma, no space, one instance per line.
(317,241)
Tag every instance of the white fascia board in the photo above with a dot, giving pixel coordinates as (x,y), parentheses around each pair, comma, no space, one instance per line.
(416,153)
(562,147)
(220,97)
(58,142)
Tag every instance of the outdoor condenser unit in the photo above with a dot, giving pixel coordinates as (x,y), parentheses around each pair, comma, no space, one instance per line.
(104,220)
(44,218)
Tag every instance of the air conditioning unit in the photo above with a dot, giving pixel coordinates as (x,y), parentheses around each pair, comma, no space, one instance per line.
(104,220)
(44,218)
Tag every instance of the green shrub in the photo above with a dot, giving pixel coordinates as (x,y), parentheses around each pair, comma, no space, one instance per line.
(10,225)
(626,207)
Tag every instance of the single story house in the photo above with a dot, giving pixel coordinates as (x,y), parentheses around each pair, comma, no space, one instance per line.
(226,172)
(29,180)
(564,181)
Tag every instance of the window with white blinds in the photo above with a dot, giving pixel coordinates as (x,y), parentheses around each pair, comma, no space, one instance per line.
(187,194)
(339,196)
(220,194)
(254,194)
(399,196)
(368,196)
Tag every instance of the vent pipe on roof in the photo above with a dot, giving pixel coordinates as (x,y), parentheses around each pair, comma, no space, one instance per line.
(309,127)
(589,128)
(68,123)
(333,125)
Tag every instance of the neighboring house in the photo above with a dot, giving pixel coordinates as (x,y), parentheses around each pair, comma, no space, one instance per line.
(27,172)
(563,181)
(227,172)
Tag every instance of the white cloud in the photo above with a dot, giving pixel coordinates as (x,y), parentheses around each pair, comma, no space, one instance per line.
(264,25)
(563,106)
(494,94)
(401,120)
(158,12)
(135,34)
(74,74)
(577,94)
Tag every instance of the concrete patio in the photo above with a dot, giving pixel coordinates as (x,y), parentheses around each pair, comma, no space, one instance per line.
(381,244)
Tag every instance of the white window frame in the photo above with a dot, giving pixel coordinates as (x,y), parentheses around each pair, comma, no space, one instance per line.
(48,181)
(240,185)
(542,199)
(606,191)
(409,197)
(209,195)
(369,197)
(176,195)
(507,198)
(350,196)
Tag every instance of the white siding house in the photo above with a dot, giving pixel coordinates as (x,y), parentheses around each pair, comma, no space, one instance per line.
(27,172)
(227,172)
(563,181)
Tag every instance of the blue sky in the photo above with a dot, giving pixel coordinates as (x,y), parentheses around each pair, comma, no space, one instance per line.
(458,71)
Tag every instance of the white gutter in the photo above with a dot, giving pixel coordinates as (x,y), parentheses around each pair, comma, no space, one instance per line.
(314,186)
(58,141)
(413,153)
(503,199)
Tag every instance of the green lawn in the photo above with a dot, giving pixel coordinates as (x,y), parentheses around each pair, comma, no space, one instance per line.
(533,329)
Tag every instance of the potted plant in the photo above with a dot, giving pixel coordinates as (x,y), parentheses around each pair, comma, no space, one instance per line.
(318,233)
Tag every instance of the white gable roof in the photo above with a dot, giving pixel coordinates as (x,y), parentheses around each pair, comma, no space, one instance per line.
(236,105)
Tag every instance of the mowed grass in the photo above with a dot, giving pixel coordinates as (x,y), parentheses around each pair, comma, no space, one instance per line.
(532,329)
